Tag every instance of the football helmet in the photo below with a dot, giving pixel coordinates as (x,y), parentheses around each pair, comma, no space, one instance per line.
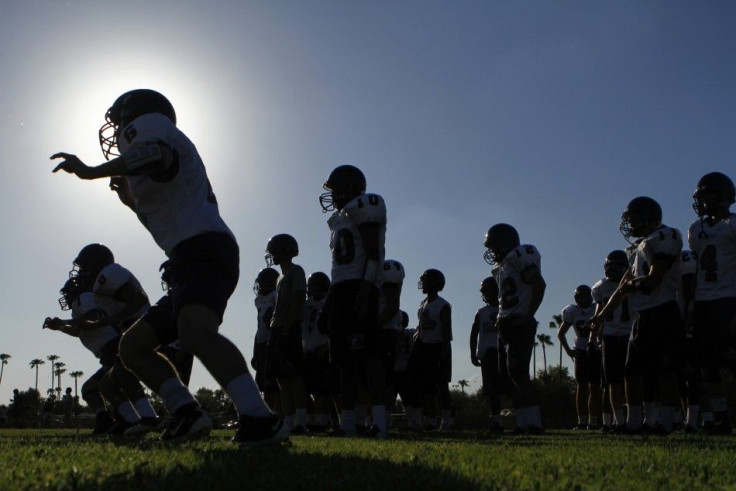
(393,271)
(90,261)
(615,265)
(489,290)
(640,218)
(501,239)
(70,292)
(280,247)
(431,280)
(125,109)
(345,183)
(714,193)
(265,281)
(583,296)
(317,285)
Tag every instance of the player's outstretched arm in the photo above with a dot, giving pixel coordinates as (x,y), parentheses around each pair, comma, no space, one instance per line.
(73,165)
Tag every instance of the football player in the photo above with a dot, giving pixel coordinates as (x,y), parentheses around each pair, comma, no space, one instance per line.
(712,237)
(285,354)
(389,320)
(484,349)
(586,355)
(431,358)
(650,284)
(122,301)
(102,341)
(357,241)
(157,172)
(264,287)
(318,374)
(616,332)
(518,273)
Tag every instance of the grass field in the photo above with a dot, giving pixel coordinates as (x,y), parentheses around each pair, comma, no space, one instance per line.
(61,459)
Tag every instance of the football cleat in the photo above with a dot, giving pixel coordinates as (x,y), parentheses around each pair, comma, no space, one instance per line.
(120,427)
(103,423)
(188,423)
(145,425)
(258,431)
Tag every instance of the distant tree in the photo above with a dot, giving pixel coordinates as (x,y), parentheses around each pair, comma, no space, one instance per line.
(59,369)
(463,383)
(75,375)
(555,324)
(52,359)
(544,341)
(35,363)
(4,357)
(23,408)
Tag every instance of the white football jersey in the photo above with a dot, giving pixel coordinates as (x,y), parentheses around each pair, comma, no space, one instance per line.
(264,307)
(430,324)
(578,318)
(487,329)
(514,294)
(96,338)
(181,207)
(665,242)
(620,321)
(715,247)
(391,272)
(108,282)
(312,338)
(346,242)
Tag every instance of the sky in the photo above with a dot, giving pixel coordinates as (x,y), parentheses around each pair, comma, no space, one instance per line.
(550,116)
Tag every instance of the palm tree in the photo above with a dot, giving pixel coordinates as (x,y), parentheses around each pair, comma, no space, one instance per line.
(544,340)
(75,375)
(463,383)
(4,357)
(52,359)
(534,360)
(35,363)
(59,369)
(555,324)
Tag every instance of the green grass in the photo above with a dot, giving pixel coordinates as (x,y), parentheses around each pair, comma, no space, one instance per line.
(61,459)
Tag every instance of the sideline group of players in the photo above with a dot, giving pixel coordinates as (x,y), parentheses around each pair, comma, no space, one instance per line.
(346,324)
(656,334)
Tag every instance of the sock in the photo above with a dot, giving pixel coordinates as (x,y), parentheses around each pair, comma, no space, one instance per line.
(534,416)
(175,395)
(692,415)
(145,409)
(520,413)
(446,415)
(706,416)
(361,412)
(289,421)
(347,421)
(634,421)
(619,415)
(127,412)
(300,418)
(666,417)
(379,418)
(607,417)
(593,420)
(246,397)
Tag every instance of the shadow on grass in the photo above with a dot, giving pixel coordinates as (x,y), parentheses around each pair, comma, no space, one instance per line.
(279,467)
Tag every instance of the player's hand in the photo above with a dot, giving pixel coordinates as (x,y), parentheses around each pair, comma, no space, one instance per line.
(475,361)
(53,324)
(570,353)
(72,165)
(595,324)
